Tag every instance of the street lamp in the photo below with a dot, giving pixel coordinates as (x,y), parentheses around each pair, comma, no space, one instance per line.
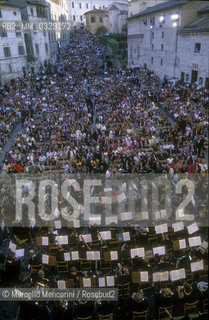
(162,18)
(174,16)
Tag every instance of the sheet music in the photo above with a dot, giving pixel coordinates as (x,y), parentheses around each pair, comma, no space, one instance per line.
(163,213)
(45,241)
(144,215)
(110,281)
(160,276)
(111,219)
(144,276)
(140,252)
(62,239)
(180,213)
(196,266)
(19,253)
(165,276)
(162,228)
(182,244)
(178,226)
(102,282)
(67,256)
(87,238)
(177,274)
(126,236)
(45,259)
(76,223)
(194,241)
(156,277)
(93,255)
(121,197)
(157,215)
(95,220)
(87,282)
(58,224)
(159,250)
(192,228)
(75,255)
(61,284)
(105,235)
(107,200)
(126,216)
(113,255)
(12,247)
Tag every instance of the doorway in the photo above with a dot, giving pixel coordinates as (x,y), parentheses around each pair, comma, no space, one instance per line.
(194,76)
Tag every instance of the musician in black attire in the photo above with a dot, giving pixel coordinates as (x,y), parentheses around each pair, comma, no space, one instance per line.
(104,307)
(84,309)
(12,270)
(136,303)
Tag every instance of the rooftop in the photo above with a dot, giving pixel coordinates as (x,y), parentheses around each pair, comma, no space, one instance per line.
(198,25)
(159,7)
(96,11)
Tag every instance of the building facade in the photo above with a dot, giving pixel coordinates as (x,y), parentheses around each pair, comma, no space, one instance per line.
(78,8)
(117,14)
(193,42)
(58,11)
(154,36)
(95,19)
(112,18)
(37,41)
(13,59)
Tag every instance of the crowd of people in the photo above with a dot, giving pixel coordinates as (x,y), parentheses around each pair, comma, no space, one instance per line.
(88,120)
(78,118)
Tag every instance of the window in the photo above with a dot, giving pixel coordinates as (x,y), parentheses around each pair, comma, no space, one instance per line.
(161,62)
(145,22)
(93,19)
(21,50)
(100,19)
(163,34)
(7,52)
(37,49)
(73,17)
(15,13)
(3,32)
(80,5)
(152,21)
(10,68)
(0,14)
(46,48)
(17,31)
(152,46)
(87,5)
(153,35)
(81,18)
(197,47)
(152,60)
(31,11)
(73,5)
(161,47)
(94,7)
